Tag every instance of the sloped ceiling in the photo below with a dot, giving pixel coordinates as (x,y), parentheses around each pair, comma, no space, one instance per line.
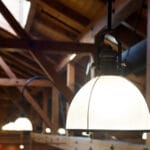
(54,31)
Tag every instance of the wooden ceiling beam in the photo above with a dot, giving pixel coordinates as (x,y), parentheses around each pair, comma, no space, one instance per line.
(31,16)
(134,30)
(22,82)
(148,62)
(56,80)
(27,95)
(61,8)
(50,31)
(46,46)
(121,13)
(59,16)
(122,10)
(11,20)
(55,25)
(54,77)
(29,44)
(22,63)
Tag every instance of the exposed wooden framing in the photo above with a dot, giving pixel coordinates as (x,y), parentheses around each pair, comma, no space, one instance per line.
(50,31)
(13,138)
(70,79)
(53,76)
(22,82)
(5,34)
(19,107)
(121,14)
(22,62)
(80,143)
(148,65)
(56,80)
(55,110)
(67,59)
(31,16)
(148,59)
(133,29)
(66,11)
(9,17)
(61,24)
(18,68)
(71,76)
(63,63)
(96,26)
(56,13)
(27,95)
(54,25)
(46,46)
(45,106)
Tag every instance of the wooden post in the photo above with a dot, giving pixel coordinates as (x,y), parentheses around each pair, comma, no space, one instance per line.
(148,59)
(70,76)
(55,110)
(45,106)
(70,79)
(147,66)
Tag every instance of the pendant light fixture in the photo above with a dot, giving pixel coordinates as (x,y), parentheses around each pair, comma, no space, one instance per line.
(22,123)
(108,102)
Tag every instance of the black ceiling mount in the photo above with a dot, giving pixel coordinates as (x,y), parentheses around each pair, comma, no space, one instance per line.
(108,60)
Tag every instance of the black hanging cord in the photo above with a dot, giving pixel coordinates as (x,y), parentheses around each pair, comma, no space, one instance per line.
(109,15)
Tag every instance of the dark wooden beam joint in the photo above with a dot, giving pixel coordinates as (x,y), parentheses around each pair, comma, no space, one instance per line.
(46,46)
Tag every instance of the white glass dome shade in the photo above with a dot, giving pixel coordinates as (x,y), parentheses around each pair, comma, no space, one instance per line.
(108,103)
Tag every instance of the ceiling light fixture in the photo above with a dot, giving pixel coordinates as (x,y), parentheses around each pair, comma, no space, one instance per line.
(108,103)
(23,124)
(8,127)
(20,124)
(61,131)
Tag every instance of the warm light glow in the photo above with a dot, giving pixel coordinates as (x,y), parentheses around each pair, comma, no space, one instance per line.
(61,131)
(23,124)
(9,126)
(72,56)
(144,136)
(86,134)
(111,38)
(21,146)
(48,130)
(108,103)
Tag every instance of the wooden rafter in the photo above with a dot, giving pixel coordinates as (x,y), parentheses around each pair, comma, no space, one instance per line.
(22,33)
(148,60)
(11,20)
(120,14)
(46,46)
(66,11)
(22,82)
(53,76)
(27,95)
(19,60)
(100,23)
(31,16)
(74,21)
(55,26)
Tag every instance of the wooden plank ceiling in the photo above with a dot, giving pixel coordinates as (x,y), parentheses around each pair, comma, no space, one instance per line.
(55,30)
